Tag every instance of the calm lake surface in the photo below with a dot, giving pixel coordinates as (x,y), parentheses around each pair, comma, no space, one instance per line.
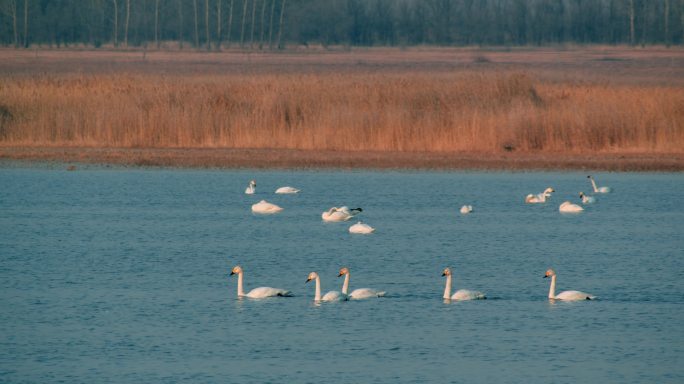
(122,275)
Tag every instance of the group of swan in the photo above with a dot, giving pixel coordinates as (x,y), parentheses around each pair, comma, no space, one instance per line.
(264,207)
(567,206)
(340,214)
(367,293)
(251,189)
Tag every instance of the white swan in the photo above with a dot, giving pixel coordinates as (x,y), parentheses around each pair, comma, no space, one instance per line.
(286,190)
(565,295)
(360,293)
(568,207)
(466,209)
(587,199)
(540,197)
(361,228)
(251,188)
(340,214)
(330,296)
(265,207)
(461,294)
(257,293)
(598,189)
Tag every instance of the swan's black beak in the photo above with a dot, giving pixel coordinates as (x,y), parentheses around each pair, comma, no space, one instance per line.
(544,276)
(340,274)
(232,273)
(443,274)
(307,280)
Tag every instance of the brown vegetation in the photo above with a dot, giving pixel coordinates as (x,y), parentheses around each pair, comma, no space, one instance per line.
(479,107)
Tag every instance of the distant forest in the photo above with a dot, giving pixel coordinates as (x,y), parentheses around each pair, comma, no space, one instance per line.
(273,24)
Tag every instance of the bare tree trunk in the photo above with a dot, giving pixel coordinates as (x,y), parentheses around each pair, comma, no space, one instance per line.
(116,23)
(26,41)
(206,22)
(194,4)
(261,25)
(180,23)
(280,27)
(631,22)
(13,9)
(681,17)
(242,29)
(251,37)
(128,16)
(667,23)
(156,24)
(270,25)
(230,22)
(218,24)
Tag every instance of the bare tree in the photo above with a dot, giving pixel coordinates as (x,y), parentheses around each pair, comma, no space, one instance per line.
(280,27)
(156,24)
(270,25)
(631,22)
(666,16)
(230,21)
(261,25)
(218,24)
(116,23)
(26,41)
(180,23)
(251,35)
(242,29)
(194,4)
(206,24)
(128,15)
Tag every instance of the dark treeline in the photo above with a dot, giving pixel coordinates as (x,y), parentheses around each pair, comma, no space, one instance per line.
(269,24)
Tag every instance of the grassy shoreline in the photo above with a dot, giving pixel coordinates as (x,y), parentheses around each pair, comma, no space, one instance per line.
(298,159)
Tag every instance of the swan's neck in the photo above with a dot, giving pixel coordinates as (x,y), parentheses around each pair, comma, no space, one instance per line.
(593,184)
(447,289)
(552,288)
(345,286)
(240,292)
(317,296)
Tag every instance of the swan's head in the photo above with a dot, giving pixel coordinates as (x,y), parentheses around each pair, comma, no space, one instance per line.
(581,195)
(343,271)
(550,273)
(312,276)
(236,270)
(588,177)
(252,183)
(549,190)
(446,272)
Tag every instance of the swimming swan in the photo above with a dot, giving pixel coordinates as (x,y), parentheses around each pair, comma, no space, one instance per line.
(598,189)
(587,199)
(251,188)
(286,190)
(466,209)
(265,207)
(361,228)
(330,296)
(257,293)
(340,214)
(461,294)
(540,197)
(565,295)
(360,293)
(568,207)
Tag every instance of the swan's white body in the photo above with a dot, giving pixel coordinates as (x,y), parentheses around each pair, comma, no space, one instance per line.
(461,294)
(360,293)
(361,228)
(568,207)
(265,207)
(286,190)
(565,295)
(598,189)
(330,296)
(540,197)
(587,199)
(251,188)
(466,209)
(257,293)
(340,214)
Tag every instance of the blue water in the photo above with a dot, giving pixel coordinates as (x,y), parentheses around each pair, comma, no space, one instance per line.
(121,276)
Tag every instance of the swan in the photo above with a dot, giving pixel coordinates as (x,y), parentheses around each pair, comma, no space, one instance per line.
(568,207)
(598,189)
(461,294)
(286,190)
(361,228)
(466,209)
(340,214)
(360,293)
(251,188)
(565,295)
(587,199)
(257,293)
(330,296)
(265,207)
(540,197)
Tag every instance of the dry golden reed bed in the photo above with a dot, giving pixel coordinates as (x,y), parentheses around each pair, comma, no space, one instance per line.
(487,105)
